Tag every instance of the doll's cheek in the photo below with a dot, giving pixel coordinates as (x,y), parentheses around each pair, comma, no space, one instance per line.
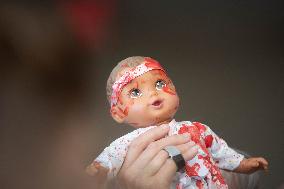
(175,108)
(130,103)
(136,107)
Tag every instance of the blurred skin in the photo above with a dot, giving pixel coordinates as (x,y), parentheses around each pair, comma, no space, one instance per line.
(156,101)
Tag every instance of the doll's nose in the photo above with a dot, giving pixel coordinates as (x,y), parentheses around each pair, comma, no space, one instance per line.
(153,93)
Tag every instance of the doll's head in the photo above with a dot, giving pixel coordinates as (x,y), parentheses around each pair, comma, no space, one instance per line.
(140,93)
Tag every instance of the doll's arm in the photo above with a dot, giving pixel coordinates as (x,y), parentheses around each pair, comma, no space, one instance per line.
(224,156)
(250,165)
(101,166)
(108,163)
(99,173)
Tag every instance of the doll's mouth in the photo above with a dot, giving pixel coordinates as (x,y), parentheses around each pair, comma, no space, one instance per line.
(157,103)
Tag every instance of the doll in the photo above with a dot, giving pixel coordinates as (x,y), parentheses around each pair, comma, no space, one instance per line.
(143,96)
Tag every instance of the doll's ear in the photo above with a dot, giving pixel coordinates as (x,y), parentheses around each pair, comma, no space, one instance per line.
(116,114)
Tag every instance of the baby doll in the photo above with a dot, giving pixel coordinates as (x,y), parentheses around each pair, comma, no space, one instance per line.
(142,95)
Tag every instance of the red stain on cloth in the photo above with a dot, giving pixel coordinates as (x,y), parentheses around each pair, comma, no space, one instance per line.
(208,141)
(195,131)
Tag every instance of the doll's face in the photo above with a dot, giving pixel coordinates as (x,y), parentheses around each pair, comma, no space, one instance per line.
(149,99)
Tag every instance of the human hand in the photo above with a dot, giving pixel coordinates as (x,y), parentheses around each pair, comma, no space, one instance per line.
(147,165)
(252,164)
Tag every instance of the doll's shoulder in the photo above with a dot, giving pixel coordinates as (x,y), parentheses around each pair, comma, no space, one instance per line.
(185,125)
(199,125)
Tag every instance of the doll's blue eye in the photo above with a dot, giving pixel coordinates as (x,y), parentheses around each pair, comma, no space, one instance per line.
(160,84)
(135,93)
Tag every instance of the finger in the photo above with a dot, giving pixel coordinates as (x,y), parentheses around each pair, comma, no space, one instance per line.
(168,170)
(140,143)
(157,162)
(190,153)
(255,164)
(155,147)
(263,163)
(252,162)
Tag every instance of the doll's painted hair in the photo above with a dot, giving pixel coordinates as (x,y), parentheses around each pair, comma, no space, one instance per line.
(129,62)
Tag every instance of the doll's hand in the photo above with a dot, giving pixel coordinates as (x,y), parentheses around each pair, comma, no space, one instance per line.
(99,173)
(251,165)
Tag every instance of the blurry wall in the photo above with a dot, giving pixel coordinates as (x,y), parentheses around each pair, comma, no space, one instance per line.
(225,58)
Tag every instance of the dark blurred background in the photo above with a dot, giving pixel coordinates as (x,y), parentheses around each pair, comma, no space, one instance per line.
(226,59)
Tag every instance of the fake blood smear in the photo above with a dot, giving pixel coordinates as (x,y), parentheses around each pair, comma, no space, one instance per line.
(136,85)
(125,111)
(194,135)
(112,111)
(151,63)
(121,113)
(166,89)
(119,100)
(178,186)
(124,66)
(209,138)
(199,184)
(194,131)
(208,141)
(200,126)
(192,170)
(215,172)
